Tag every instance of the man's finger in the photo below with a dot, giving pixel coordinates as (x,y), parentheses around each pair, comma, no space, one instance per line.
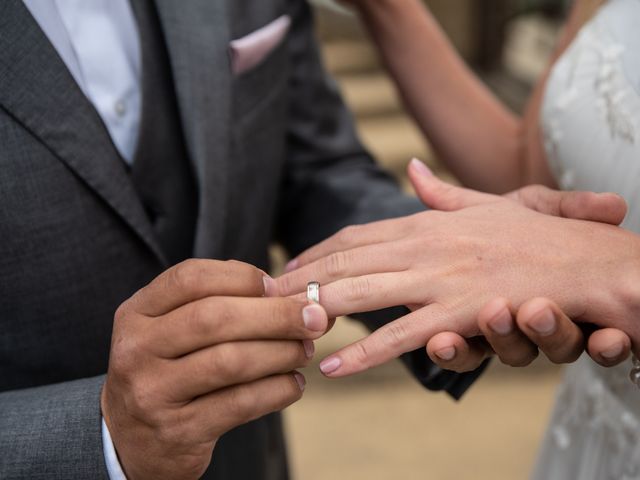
(233,363)
(609,347)
(547,326)
(195,279)
(443,196)
(597,207)
(452,352)
(215,320)
(234,406)
(405,334)
(499,328)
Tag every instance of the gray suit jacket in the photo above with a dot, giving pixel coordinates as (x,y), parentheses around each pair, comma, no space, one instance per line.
(271,149)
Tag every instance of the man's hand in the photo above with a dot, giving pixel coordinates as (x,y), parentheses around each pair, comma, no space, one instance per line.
(196,353)
(447,266)
(539,325)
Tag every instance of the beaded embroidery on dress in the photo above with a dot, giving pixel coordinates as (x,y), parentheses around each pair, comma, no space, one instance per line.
(591,126)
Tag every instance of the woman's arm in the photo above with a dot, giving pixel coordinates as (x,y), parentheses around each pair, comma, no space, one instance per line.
(488,147)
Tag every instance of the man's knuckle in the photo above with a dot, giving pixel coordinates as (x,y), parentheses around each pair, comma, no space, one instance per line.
(242,404)
(121,313)
(204,316)
(125,354)
(226,362)
(248,273)
(141,402)
(186,274)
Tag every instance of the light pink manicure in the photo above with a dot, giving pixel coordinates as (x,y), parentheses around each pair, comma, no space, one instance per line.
(330,365)
(421,168)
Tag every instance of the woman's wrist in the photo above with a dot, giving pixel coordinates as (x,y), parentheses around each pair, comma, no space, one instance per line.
(621,274)
(631,282)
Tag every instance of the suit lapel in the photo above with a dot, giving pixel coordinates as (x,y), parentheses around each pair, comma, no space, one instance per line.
(197,35)
(39,92)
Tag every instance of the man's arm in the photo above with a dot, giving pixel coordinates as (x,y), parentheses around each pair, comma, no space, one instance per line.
(332,182)
(52,432)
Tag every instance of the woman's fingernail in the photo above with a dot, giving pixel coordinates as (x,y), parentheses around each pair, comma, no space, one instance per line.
(314,317)
(446,354)
(421,168)
(544,323)
(300,380)
(330,365)
(269,285)
(292,265)
(502,323)
(309,348)
(612,352)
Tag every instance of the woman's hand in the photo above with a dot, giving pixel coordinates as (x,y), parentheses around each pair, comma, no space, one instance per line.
(447,266)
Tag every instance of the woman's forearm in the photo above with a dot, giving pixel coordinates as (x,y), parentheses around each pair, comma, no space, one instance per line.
(479,139)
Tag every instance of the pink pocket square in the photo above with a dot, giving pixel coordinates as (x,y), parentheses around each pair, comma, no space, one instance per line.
(249,51)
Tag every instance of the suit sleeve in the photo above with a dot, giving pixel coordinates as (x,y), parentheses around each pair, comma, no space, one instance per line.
(52,432)
(332,181)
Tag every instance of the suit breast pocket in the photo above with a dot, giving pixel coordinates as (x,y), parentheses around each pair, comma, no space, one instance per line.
(255,89)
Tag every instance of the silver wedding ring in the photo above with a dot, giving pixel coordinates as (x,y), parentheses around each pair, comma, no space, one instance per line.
(313,292)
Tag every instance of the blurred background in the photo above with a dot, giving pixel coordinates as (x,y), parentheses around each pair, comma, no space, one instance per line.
(382,424)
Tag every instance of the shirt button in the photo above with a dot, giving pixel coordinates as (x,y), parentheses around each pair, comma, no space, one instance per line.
(121,108)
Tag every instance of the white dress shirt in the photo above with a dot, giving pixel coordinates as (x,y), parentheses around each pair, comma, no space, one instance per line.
(98,42)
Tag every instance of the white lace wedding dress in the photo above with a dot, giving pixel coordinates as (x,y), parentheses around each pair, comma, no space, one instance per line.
(591,126)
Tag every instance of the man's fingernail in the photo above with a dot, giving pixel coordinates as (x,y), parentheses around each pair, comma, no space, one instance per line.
(330,365)
(300,380)
(446,354)
(292,265)
(544,323)
(421,168)
(269,285)
(314,317)
(309,348)
(612,352)
(502,323)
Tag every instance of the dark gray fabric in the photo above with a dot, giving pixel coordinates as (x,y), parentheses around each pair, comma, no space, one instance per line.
(161,171)
(275,156)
